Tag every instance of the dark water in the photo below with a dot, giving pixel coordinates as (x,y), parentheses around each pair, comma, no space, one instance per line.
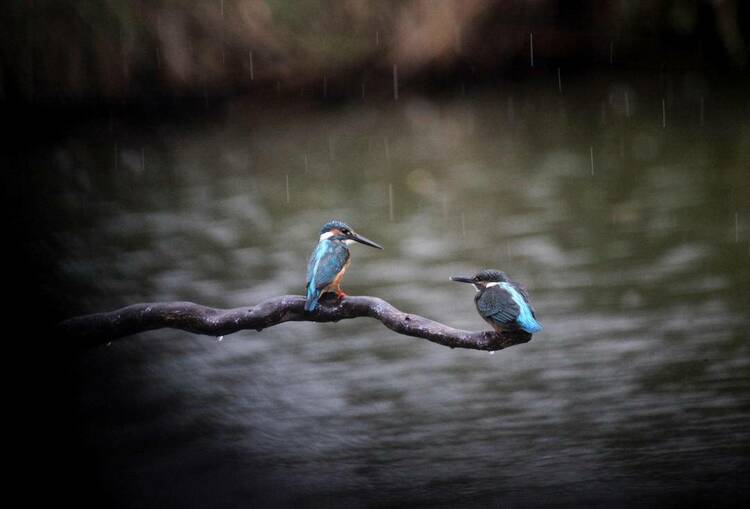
(637,390)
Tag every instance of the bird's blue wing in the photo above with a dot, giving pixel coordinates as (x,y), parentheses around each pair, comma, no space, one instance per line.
(497,303)
(526,318)
(525,294)
(326,261)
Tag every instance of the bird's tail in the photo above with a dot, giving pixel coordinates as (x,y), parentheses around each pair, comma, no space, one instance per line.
(531,326)
(313,295)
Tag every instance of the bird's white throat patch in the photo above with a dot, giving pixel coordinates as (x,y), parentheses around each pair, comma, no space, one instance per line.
(488,285)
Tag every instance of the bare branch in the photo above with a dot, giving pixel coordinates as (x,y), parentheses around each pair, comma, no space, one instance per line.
(100,328)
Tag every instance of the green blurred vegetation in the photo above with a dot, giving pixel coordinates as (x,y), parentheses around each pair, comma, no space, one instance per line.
(114,49)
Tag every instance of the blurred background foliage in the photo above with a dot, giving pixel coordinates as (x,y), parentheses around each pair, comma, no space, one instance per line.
(62,50)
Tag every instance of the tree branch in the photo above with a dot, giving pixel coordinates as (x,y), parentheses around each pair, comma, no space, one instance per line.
(99,328)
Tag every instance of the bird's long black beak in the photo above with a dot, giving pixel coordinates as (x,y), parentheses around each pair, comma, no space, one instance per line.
(364,240)
(462,279)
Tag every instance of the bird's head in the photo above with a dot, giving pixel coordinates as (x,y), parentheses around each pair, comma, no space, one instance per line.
(338,230)
(483,278)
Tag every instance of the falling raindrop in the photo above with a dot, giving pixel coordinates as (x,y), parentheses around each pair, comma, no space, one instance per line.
(611,52)
(363,90)
(511,110)
(222,8)
(307,165)
(559,81)
(287,189)
(387,149)
(702,110)
(395,82)
(736,227)
(117,157)
(627,105)
(377,38)
(143,159)
(531,49)
(325,87)
(591,152)
(663,113)
(445,207)
(463,225)
(331,149)
(252,70)
(390,202)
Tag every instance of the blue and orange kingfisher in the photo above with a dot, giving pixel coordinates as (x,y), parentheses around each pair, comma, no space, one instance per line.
(502,303)
(329,261)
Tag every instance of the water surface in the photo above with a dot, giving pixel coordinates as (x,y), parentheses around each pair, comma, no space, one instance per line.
(632,238)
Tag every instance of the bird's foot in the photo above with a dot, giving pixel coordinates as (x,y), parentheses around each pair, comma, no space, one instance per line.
(341,294)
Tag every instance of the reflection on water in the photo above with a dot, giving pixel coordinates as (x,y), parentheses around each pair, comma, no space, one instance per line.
(638,388)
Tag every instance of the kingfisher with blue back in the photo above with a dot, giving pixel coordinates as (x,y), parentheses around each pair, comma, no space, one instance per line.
(329,261)
(502,303)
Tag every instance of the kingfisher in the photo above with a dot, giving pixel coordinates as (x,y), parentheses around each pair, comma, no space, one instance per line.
(329,261)
(502,303)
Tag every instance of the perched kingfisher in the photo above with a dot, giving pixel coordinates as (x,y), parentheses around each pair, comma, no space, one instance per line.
(502,303)
(329,261)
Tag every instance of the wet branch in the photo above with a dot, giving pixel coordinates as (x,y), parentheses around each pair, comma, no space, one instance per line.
(100,328)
